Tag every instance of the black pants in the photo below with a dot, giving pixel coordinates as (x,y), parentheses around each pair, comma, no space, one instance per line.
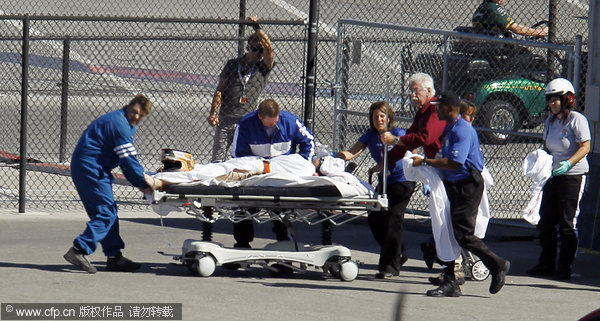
(387,226)
(464,197)
(243,231)
(560,203)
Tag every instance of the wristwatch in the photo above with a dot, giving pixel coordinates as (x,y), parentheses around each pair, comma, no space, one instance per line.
(396,140)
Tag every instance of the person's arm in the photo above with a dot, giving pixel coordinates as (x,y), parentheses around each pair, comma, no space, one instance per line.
(122,141)
(265,42)
(441,163)
(305,141)
(240,146)
(354,151)
(582,151)
(433,130)
(213,118)
(528,31)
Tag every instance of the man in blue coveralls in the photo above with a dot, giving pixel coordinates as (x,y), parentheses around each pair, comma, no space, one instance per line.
(461,164)
(269,132)
(104,145)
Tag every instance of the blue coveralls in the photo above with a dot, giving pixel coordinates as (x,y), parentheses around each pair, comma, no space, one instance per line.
(104,145)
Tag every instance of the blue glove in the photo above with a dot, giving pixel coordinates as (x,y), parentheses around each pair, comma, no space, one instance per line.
(426,189)
(563,168)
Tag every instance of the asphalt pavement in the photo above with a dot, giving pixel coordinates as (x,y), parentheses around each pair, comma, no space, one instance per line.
(32,270)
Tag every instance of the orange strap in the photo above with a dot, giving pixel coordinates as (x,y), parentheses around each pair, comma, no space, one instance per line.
(267,168)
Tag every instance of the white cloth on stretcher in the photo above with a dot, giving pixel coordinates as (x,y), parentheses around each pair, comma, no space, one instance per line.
(537,165)
(439,207)
(285,171)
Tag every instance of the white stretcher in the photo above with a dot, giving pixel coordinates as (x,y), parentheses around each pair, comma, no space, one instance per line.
(264,198)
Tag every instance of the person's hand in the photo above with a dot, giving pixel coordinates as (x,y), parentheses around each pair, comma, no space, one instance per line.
(563,168)
(387,138)
(213,119)
(153,183)
(426,189)
(255,24)
(418,160)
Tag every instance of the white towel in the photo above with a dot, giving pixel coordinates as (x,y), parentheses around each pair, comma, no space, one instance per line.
(537,165)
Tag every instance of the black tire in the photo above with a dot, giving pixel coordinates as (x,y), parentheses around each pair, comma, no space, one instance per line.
(500,115)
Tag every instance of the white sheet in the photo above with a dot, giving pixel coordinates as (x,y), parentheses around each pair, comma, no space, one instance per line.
(285,170)
(439,207)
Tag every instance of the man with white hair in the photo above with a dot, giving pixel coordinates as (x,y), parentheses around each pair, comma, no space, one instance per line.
(426,128)
(425,132)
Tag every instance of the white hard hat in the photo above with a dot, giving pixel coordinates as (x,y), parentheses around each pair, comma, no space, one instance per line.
(559,87)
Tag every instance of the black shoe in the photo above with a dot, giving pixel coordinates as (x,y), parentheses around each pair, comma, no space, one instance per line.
(540,270)
(438,280)
(562,274)
(448,288)
(429,254)
(79,259)
(121,264)
(499,277)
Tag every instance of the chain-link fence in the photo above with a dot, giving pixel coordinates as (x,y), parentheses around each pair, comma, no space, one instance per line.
(174,51)
(83,69)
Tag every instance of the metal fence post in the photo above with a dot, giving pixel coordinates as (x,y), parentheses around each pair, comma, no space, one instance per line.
(552,62)
(241,28)
(446,64)
(64,98)
(24,92)
(311,61)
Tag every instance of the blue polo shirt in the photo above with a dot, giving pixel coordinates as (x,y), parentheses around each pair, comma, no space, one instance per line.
(460,143)
(373,141)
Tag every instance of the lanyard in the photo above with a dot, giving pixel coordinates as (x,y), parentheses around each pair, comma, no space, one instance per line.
(444,138)
(245,78)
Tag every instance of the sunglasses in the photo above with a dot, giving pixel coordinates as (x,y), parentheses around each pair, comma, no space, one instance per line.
(256,49)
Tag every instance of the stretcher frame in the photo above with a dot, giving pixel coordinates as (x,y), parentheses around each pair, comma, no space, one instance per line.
(202,256)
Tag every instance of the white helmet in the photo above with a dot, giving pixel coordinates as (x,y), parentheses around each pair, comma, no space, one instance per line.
(559,87)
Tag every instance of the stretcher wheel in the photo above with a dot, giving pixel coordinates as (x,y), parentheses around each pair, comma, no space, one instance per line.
(335,269)
(348,271)
(479,271)
(204,266)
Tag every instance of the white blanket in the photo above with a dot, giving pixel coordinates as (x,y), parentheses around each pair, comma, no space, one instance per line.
(537,165)
(285,171)
(439,208)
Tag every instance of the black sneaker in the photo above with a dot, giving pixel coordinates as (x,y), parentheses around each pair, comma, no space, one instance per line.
(540,270)
(448,288)
(499,277)
(77,258)
(562,274)
(121,264)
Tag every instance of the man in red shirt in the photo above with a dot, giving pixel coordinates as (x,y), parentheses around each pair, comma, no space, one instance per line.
(426,128)
(425,132)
